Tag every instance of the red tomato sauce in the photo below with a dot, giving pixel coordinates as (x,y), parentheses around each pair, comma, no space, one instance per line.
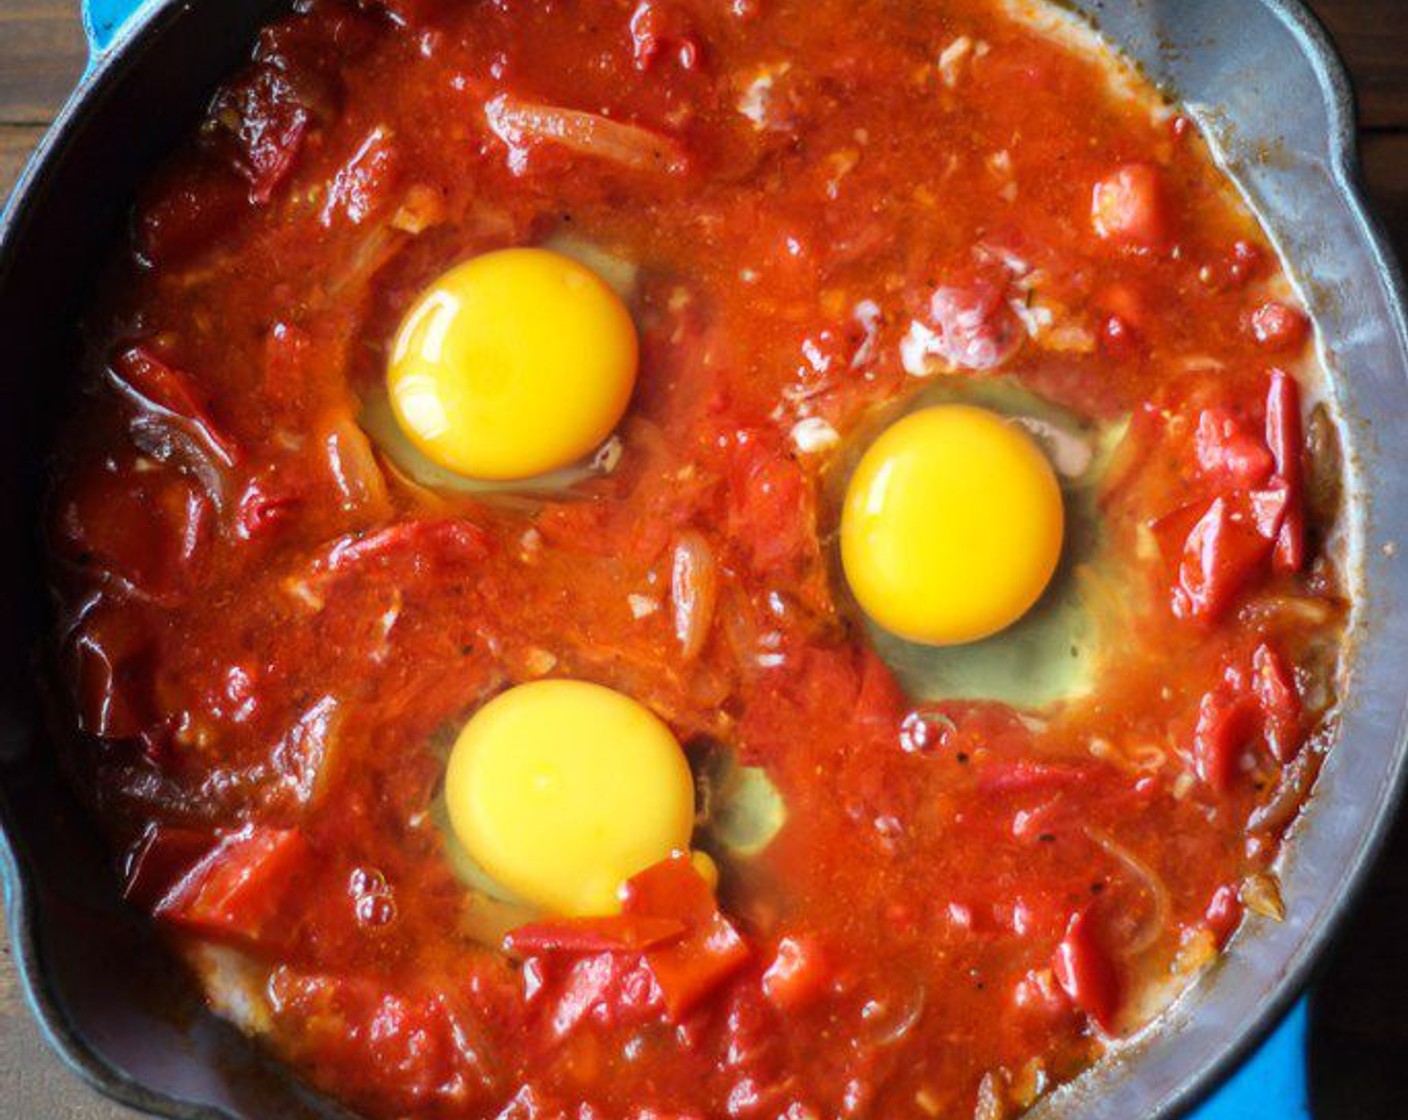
(271,633)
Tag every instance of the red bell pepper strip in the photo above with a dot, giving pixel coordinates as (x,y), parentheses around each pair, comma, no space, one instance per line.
(1279,701)
(160,859)
(1225,725)
(1025,777)
(621,933)
(154,385)
(1086,972)
(1284,438)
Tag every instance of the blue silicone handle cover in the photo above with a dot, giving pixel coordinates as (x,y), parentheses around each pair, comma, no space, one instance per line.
(1270,1086)
(103,19)
(1272,1083)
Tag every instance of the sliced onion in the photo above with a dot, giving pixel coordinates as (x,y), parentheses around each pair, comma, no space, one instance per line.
(888,1022)
(1292,790)
(366,259)
(354,468)
(694,591)
(522,124)
(1154,925)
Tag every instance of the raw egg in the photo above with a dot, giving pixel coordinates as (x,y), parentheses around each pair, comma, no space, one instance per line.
(513,364)
(560,790)
(951,526)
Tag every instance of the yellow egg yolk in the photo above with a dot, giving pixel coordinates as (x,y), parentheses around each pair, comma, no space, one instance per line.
(561,790)
(952,525)
(513,364)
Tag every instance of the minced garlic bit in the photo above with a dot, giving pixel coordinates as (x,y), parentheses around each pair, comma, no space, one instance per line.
(642,606)
(952,58)
(759,101)
(539,662)
(957,57)
(1035,317)
(303,591)
(843,162)
(814,434)
(608,455)
(918,351)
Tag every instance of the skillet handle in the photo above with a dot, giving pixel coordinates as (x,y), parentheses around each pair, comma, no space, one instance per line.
(1272,1083)
(104,19)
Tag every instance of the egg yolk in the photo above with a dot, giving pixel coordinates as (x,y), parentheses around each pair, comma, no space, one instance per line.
(513,364)
(952,525)
(562,790)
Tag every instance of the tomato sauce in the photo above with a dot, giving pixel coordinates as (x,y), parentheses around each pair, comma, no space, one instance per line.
(271,632)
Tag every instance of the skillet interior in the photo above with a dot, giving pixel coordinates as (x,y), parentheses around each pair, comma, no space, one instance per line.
(109,996)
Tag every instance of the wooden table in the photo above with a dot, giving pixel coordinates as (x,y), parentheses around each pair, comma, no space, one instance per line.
(1360,1031)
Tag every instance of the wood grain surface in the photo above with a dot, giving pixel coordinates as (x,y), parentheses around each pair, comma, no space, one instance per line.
(1360,1029)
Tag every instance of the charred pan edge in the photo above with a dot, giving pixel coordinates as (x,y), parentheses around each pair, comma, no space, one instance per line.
(106,71)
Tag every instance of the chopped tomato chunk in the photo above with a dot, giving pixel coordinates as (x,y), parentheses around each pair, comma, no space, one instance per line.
(1225,724)
(1278,327)
(1229,452)
(270,125)
(769,501)
(606,988)
(799,972)
(657,27)
(1130,207)
(973,326)
(1279,700)
(1259,699)
(670,948)
(689,969)
(1224,913)
(1254,519)
(1222,555)
(235,892)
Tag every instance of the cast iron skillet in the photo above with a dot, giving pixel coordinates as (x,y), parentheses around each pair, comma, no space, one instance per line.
(1262,77)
